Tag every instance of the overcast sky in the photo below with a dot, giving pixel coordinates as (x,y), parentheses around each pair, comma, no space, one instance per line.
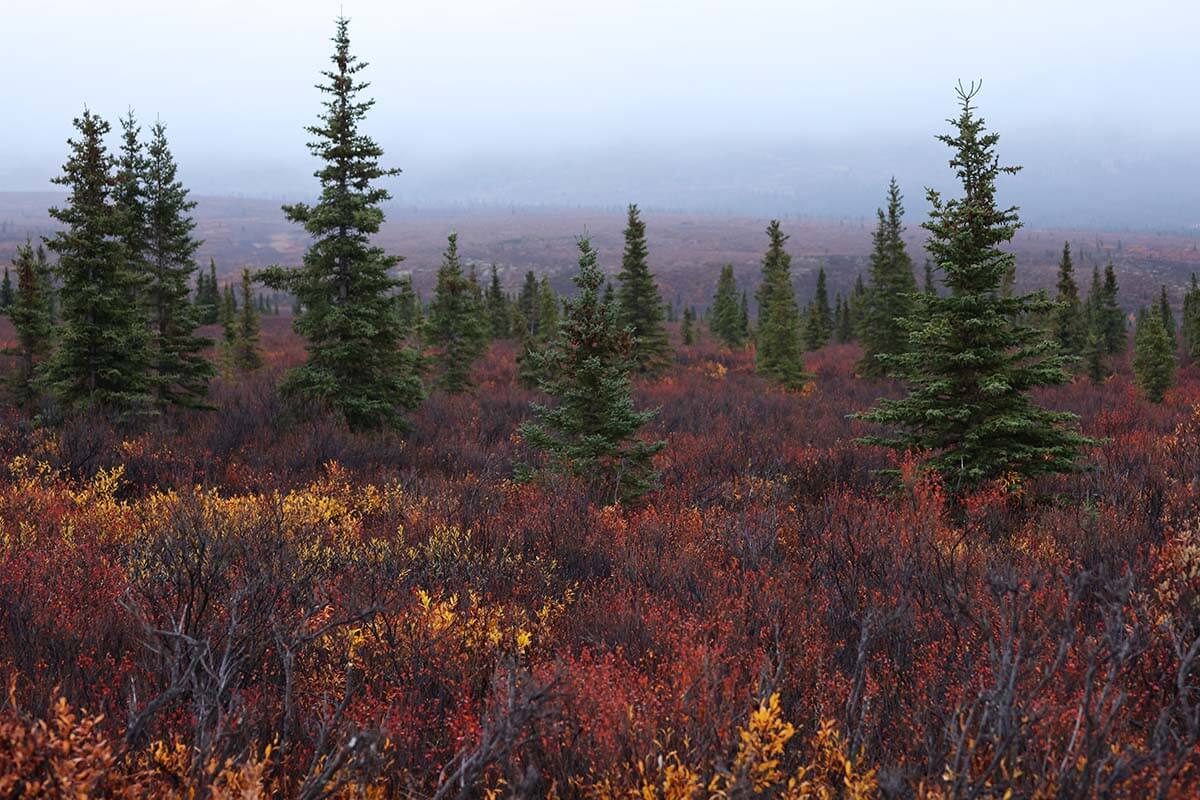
(792,107)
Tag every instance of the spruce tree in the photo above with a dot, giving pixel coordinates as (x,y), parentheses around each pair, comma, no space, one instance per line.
(30,315)
(818,325)
(641,305)
(930,283)
(548,310)
(1153,355)
(891,296)
(744,315)
(408,307)
(1095,362)
(102,359)
(229,327)
(356,362)
(1168,317)
(1190,326)
(498,308)
(725,315)
(130,197)
(454,326)
(6,292)
(245,353)
(1110,316)
(527,303)
(212,306)
(687,328)
(1068,324)
(182,372)
(971,361)
(591,431)
(778,355)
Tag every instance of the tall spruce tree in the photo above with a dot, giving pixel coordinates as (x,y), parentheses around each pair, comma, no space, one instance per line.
(181,370)
(103,357)
(725,316)
(498,308)
(1069,325)
(30,315)
(1190,325)
(641,304)
(972,361)
(357,363)
(779,356)
(527,303)
(818,324)
(591,431)
(687,328)
(1110,316)
(1168,317)
(892,293)
(245,353)
(1153,355)
(6,291)
(130,197)
(454,326)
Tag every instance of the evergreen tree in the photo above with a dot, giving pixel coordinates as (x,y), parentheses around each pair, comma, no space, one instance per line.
(454,325)
(1168,317)
(591,430)
(245,354)
(971,362)
(1068,325)
(408,307)
(725,315)
(1153,355)
(930,283)
(103,357)
(843,322)
(30,315)
(356,362)
(687,328)
(130,197)
(892,293)
(547,310)
(229,326)
(641,305)
(818,326)
(779,356)
(527,303)
(1110,316)
(1094,358)
(744,315)
(498,308)
(182,372)
(1191,319)
(6,292)
(212,310)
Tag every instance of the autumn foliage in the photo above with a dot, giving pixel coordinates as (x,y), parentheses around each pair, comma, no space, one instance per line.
(253,602)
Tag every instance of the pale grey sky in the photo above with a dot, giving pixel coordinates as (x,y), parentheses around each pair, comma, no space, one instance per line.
(759,106)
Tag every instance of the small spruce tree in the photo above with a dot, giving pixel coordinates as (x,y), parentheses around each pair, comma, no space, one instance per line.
(641,305)
(1153,355)
(1068,325)
(971,361)
(725,316)
(818,325)
(591,430)
(778,355)
(30,315)
(454,326)
(687,328)
(891,296)
(245,353)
